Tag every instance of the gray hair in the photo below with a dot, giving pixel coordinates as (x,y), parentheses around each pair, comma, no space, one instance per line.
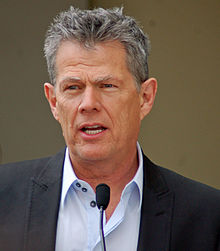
(89,27)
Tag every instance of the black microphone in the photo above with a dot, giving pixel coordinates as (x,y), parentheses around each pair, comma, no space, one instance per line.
(102,200)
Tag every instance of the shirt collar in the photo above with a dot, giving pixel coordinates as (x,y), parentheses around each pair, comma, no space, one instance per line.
(137,179)
(69,176)
(139,176)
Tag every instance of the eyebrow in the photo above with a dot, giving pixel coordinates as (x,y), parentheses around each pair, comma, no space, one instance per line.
(70,79)
(106,79)
(97,80)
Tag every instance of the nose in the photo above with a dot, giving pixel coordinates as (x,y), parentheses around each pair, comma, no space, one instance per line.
(90,101)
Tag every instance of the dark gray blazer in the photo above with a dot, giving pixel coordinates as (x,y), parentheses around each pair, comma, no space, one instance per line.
(178,214)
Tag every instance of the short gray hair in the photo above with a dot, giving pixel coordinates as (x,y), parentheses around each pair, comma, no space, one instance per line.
(89,27)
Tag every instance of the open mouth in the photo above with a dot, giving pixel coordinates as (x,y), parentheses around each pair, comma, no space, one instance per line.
(92,130)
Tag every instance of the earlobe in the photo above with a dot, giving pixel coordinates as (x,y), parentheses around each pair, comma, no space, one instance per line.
(147,95)
(49,91)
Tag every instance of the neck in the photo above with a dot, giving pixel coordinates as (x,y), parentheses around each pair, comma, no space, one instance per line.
(115,173)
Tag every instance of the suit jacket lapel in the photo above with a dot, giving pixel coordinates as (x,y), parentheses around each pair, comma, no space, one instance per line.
(43,207)
(156,213)
(45,189)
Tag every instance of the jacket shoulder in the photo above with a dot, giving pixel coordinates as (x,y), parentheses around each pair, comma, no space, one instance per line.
(22,168)
(196,200)
(18,171)
(187,192)
(180,183)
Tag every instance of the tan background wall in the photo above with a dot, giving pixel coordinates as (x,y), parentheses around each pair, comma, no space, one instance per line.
(181,133)
(27,129)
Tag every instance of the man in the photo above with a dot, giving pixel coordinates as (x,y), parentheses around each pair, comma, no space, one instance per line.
(99,93)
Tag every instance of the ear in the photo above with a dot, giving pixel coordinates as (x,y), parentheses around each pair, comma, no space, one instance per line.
(49,91)
(147,96)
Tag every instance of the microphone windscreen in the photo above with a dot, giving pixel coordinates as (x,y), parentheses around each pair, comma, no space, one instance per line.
(102,196)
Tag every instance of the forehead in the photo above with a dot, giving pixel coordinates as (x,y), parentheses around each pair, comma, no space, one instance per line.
(111,55)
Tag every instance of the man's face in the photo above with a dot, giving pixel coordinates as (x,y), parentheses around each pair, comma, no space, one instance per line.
(96,101)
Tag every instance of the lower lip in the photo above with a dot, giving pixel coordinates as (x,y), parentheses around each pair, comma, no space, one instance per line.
(92,136)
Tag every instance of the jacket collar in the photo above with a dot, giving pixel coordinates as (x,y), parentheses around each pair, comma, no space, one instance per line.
(156,213)
(44,198)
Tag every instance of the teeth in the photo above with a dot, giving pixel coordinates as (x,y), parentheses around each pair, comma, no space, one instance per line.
(91,127)
(93,131)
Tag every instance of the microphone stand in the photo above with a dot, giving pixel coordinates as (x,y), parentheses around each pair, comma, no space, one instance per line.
(102,238)
(102,201)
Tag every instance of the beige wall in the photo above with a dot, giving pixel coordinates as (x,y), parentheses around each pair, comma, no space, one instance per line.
(27,129)
(181,133)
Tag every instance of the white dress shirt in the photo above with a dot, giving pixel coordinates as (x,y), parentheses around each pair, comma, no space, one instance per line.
(78,219)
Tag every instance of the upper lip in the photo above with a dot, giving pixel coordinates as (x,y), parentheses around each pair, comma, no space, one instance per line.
(91,125)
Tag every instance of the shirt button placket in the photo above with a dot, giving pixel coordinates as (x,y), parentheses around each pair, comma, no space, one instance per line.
(84,189)
(93,203)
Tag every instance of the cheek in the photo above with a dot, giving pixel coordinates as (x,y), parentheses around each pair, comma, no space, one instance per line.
(128,116)
(66,115)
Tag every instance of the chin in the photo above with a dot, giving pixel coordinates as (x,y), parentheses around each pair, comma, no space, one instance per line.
(91,156)
(94,153)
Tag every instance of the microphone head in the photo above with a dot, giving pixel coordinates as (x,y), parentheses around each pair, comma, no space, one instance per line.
(102,196)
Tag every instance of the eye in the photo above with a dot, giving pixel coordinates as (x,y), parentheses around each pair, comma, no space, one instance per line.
(73,87)
(107,86)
